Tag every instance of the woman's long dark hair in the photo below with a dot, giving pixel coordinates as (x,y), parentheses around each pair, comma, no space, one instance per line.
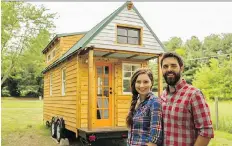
(135,93)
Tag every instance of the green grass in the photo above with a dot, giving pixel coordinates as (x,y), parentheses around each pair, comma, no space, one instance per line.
(222,136)
(221,139)
(20,119)
(224,114)
(21,104)
(24,118)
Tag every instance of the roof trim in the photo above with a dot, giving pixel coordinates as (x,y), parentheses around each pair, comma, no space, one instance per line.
(61,35)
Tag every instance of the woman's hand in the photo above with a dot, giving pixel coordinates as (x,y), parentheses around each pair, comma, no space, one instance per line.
(151,144)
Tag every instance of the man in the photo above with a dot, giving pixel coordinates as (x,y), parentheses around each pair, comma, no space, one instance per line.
(186,114)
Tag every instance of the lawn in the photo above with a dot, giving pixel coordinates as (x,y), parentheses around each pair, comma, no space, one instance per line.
(22,124)
(224,113)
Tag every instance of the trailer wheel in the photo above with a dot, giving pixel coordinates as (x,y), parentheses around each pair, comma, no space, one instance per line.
(59,131)
(47,124)
(53,128)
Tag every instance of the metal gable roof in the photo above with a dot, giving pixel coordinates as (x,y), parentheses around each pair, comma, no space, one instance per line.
(93,32)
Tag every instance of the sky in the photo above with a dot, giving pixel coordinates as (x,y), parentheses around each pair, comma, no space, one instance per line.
(166,19)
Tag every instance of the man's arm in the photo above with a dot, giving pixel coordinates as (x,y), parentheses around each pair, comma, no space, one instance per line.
(202,141)
(202,120)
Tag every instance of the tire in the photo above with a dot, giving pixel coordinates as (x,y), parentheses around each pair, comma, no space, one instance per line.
(53,128)
(47,124)
(59,130)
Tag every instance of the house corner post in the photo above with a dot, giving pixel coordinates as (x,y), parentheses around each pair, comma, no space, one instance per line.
(90,89)
(160,80)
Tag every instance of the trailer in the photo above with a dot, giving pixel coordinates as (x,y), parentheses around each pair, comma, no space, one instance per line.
(87,75)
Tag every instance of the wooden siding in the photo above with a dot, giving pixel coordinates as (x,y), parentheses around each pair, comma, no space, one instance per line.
(107,37)
(73,107)
(68,41)
(56,104)
(83,93)
(122,102)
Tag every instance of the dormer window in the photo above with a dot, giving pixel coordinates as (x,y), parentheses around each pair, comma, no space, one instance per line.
(128,35)
(48,58)
(53,53)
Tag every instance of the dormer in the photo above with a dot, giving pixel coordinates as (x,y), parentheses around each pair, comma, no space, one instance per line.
(60,44)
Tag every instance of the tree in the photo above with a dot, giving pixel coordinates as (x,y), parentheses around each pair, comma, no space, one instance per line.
(194,47)
(21,23)
(226,43)
(212,45)
(214,79)
(32,64)
(173,44)
(193,50)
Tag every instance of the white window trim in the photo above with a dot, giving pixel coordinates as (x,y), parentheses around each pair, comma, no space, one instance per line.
(51,84)
(63,82)
(135,64)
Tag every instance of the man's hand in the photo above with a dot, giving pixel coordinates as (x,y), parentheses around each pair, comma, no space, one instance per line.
(202,141)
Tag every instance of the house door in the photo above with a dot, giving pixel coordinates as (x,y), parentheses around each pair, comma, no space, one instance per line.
(103,97)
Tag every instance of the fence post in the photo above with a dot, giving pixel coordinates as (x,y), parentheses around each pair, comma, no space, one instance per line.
(216,111)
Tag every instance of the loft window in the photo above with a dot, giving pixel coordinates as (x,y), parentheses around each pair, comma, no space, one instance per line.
(53,53)
(49,58)
(126,35)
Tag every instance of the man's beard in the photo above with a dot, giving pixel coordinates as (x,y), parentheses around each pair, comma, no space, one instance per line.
(172,80)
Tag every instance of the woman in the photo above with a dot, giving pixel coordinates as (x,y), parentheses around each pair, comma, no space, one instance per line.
(145,116)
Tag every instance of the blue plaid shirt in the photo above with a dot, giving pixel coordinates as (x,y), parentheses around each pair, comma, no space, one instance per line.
(147,123)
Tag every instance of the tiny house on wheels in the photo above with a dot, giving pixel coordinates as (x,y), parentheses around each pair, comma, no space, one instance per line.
(86,81)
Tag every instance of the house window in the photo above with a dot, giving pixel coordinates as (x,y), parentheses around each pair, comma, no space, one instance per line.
(49,58)
(53,53)
(63,81)
(126,35)
(128,70)
(50,84)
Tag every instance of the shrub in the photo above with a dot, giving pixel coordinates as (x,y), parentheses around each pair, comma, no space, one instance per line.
(32,94)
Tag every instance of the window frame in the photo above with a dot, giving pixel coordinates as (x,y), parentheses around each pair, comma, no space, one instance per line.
(63,82)
(130,27)
(132,64)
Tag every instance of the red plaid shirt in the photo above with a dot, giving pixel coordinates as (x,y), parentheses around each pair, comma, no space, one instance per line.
(186,115)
